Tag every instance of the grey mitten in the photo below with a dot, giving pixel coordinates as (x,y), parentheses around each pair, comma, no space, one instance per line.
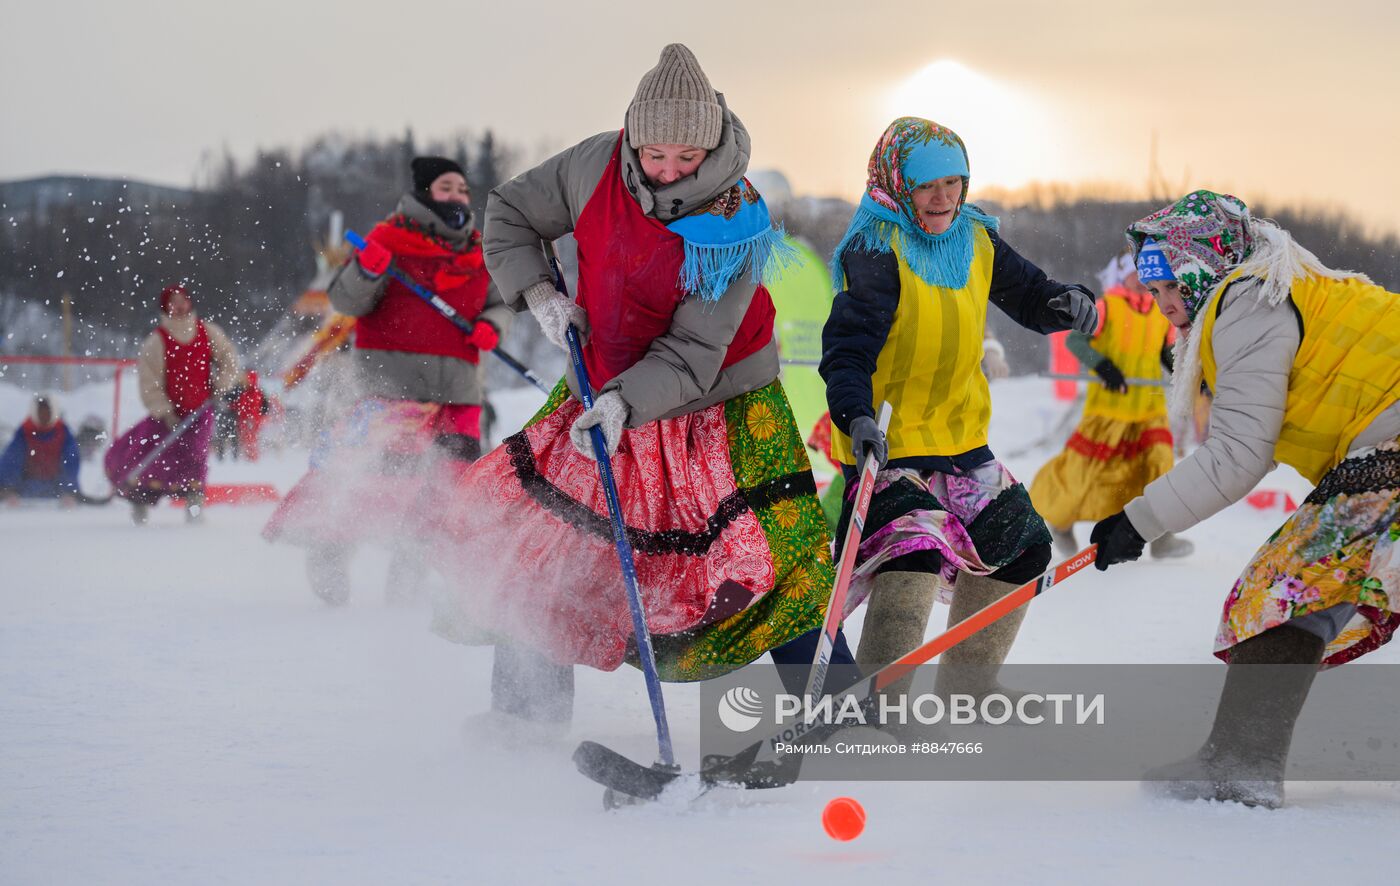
(1074,307)
(866,436)
(554,311)
(609,413)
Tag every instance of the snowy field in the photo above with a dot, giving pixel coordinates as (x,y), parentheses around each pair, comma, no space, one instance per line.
(176,707)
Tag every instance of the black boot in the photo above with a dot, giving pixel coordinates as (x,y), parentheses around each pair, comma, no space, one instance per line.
(1244,758)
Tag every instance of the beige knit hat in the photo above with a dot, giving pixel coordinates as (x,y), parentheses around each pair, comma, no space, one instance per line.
(675,104)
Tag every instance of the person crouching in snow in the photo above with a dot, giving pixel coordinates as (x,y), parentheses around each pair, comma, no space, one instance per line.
(1304,363)
(42,458)
(1123,441)
(917,268)
(716,490)
(419,422)
(184,363)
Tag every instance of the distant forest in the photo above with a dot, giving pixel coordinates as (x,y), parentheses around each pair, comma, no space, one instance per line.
(246,240)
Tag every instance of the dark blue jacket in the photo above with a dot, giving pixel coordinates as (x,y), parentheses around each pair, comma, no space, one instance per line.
(13,461)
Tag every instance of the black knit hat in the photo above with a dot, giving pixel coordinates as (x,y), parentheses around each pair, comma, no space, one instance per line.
(427,169)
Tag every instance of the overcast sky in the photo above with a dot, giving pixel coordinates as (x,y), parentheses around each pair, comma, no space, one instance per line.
(1293,101)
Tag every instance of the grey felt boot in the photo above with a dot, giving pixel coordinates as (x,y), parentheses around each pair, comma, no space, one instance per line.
(1170,546)
(971,666)
(328,572)
(896,616)
(1244,758)
(1066,545)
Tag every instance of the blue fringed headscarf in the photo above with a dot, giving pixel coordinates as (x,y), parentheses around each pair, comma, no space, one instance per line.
(733,234)
(912,151)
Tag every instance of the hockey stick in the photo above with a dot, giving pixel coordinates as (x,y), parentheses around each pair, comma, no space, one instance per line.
(645,654)
(816,678)
(446,310)
(185,424)
(768,763)
(1094,379)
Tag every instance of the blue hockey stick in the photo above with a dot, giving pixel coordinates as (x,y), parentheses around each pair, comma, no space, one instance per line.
(624,547)
(456,319)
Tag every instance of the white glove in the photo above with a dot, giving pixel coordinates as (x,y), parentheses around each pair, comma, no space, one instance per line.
(609,412)
(554,311)
(994,364)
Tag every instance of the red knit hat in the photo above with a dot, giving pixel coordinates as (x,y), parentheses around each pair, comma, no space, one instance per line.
(168,292)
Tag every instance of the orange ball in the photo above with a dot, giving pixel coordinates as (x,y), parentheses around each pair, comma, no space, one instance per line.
(843,819)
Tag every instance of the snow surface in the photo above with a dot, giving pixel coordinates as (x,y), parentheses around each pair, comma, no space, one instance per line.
(176,707)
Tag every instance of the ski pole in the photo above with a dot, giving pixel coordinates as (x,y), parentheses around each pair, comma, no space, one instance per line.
(449,312)
(1132,382)
(836,604)
(185,424)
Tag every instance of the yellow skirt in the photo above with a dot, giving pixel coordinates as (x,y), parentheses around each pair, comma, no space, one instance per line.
(1105,465)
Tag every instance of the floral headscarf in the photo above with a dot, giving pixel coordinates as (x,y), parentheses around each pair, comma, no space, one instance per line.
(913,151)
(1204,235)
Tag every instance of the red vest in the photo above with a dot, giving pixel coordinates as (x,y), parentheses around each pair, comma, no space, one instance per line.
(45,461)
(629,267)
(404,322)
(188,370)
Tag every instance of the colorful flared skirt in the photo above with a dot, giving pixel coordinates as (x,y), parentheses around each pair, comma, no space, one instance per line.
(180,470)
(1341,547)
(1105,465)
(373,473)
(975,520)
(732,551)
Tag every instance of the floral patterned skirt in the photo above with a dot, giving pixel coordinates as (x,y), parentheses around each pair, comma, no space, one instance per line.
(976,520)
(732,551)
(1341,546)
(1105,465)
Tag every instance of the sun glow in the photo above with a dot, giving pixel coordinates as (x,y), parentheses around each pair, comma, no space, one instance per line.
(1009,137)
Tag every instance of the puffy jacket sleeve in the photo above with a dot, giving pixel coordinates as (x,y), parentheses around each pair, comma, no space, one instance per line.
(1020,289)
(540,204)
(855,333)
(1255,344)
(150,375)
(495,311)
(12,460)
(353,292)
(227,373)
(682,365)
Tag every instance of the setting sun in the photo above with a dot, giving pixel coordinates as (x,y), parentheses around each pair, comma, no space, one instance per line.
(1003,127)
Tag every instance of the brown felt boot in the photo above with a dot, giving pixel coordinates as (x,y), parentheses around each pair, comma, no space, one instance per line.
(896,616)
(971,666)
(1243,760)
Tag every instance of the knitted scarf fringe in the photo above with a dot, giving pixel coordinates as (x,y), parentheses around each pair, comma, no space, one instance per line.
(709,270)
(939,260)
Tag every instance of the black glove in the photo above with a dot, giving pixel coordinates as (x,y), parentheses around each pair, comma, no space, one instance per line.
(1074,309)
(1112,376)
(866,436)
(1118,541)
